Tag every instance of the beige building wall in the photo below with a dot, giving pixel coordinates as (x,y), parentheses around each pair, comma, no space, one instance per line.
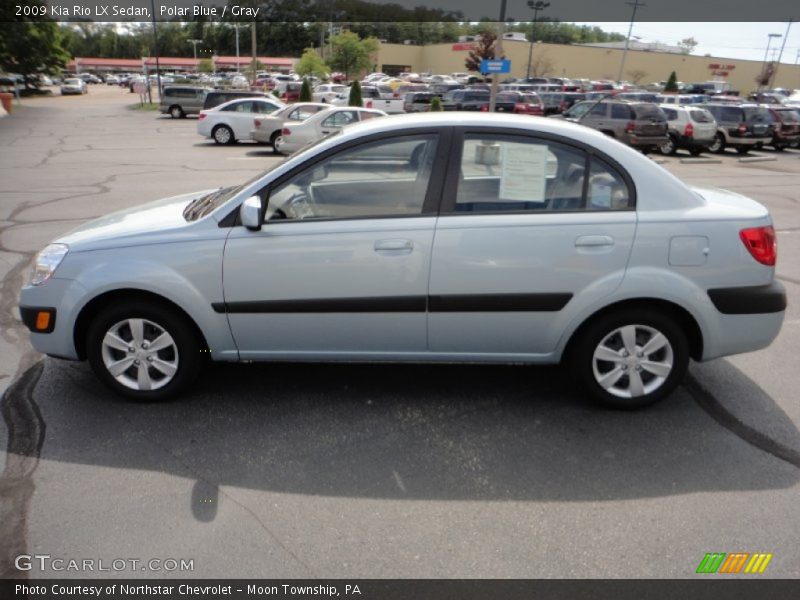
(591,63)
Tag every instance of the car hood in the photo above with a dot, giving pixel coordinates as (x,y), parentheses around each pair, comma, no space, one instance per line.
(147,223)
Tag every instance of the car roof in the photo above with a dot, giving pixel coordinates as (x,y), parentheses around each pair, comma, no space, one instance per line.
(272,100)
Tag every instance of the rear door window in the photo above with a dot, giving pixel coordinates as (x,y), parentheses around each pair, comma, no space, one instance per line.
(620,111)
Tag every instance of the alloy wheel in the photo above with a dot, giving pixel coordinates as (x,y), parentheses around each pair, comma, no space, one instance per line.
(140,354)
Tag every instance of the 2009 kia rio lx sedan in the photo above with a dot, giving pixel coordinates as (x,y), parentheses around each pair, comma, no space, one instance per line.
(434,237)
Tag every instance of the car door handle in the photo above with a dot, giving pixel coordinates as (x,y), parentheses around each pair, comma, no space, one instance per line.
(394,246)
(594,241)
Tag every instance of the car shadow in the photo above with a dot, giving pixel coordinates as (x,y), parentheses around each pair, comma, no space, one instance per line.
(461,432)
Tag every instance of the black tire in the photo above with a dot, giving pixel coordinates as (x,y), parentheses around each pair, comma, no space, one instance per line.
(275,135)
(176,112)
(222,134)
(718,147)
(743,150)
(187,355)
(696,151)
(589,338)
(669,147)
(778,148)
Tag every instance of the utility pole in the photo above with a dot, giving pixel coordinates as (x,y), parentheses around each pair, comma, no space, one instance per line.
(498,53)
(780,55)
(254,51)
(766,56)
(155,40)
(536,7)
(194,46)
(635,4)
(236,26)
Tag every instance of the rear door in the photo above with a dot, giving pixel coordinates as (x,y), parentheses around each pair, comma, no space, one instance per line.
(531,230)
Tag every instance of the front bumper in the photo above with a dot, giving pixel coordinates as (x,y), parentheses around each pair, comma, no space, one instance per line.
(65,298)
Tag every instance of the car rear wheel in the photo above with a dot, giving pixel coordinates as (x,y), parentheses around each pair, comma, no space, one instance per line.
(630,359)
(176,112)
(143,351)
(719,144)
(743,149)
(696,151)
(223,134)
(273,138)
(669,147)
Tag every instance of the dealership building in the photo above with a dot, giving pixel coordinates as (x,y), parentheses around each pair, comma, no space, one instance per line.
(167,63)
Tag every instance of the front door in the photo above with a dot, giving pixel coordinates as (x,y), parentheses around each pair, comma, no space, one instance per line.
(340,266)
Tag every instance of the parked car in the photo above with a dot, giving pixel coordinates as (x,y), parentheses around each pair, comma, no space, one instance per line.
(557,102)
(324,123)
(233,120)
(418,101)
(519,103)
(742,126)
(289,91)
(682,99)
(74,85)
(691,128)
(642,125)
(465,99)
(216,97)
(785,127)
(89,78)
(582,251)
(112,80)
(267,128)
(328,91)
(371,98)
(639,96)
(181,100)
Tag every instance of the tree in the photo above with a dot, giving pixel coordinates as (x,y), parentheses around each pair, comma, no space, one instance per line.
(763,78)
(351,54)
(311,64)
(355,95)
(30,45)
(636,75)
(542,65)
(305,91)
(436,104)
(688,45)
(672,83)
(205,66)
(482,49)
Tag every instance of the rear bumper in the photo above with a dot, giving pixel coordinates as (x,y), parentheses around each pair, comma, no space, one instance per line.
(751,300)
(645,141)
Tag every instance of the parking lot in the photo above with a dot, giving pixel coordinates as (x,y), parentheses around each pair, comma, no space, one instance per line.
(294,470)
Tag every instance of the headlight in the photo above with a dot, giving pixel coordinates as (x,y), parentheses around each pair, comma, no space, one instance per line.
(47,262)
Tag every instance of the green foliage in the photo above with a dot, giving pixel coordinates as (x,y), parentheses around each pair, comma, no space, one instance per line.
(355,95)
(672,83)
(311,64)
(305,91)
(350,54)
(205,66)
(31,45)
(436,104)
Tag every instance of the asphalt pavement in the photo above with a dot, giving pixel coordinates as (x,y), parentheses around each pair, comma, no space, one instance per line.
(290,470)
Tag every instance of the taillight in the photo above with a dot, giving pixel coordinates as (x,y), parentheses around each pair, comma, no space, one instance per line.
(201,116)
(520,107)
(257,123)
(286,131)
(485,108)
(562,106)
(630,127)
(742,129)
(369,104)
(761,243)
(688,131)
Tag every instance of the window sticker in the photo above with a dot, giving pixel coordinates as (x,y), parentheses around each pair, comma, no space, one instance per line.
(600,195)
(524,172)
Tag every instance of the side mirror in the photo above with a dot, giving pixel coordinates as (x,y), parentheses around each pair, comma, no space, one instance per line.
(250,213)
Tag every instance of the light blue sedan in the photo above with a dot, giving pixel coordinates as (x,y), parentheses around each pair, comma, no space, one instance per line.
(433,237)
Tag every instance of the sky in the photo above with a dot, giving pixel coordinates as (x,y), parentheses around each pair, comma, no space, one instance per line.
(729,40)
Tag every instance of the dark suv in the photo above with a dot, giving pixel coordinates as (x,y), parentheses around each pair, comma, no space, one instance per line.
(642,125)
(467,99)
(743,126)
(217,97)
(785,126)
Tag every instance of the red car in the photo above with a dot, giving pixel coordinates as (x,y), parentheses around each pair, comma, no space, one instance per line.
(521,103)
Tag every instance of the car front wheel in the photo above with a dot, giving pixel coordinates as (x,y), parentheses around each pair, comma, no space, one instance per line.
(718,145)
(143,351)
(631,359)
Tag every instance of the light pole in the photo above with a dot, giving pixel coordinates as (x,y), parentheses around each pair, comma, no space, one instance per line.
(780,54)
(194,46)
(766,56)
(236,26)
(498,50)
(536,7)
(635,4)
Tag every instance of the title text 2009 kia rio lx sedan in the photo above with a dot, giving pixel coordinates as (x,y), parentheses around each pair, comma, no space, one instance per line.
(436,237)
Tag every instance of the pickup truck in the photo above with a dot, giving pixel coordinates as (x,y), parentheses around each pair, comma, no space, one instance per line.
(370,98)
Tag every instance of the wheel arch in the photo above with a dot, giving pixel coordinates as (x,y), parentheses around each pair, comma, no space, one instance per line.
(105,299)
(684,318)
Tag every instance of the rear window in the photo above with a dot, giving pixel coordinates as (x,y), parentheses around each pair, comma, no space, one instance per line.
(701,116)
(788,116)
(730,113)
(620,111)
(649,111)
(671,113)
(756,114)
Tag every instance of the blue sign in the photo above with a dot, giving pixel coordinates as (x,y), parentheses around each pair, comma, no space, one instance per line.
(495,66)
